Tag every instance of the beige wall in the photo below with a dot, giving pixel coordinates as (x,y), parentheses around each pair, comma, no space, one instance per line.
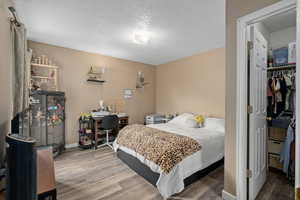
(192,84)
(234,10)
(5,66)
(83,97)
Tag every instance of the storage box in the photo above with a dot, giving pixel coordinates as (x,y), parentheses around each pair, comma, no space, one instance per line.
(274,161)
(274,146)
(292,53)
(277,133)
(280,56)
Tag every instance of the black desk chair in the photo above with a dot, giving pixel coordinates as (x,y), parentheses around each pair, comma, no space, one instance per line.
(108,124)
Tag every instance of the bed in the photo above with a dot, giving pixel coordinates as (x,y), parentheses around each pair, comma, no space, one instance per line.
(211,138)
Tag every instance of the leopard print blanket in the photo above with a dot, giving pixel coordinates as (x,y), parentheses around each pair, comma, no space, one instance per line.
(163,148)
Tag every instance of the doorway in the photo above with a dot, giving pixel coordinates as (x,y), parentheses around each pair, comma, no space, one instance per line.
(271,122)
(267,139)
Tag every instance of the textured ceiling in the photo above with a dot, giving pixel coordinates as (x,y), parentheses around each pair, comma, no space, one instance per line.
(177,28)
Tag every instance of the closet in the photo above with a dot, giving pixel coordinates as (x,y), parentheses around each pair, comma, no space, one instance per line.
(280,33)
(281,95)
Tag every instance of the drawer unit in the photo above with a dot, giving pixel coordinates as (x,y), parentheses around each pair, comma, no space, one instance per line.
(274,161)
(274,146)
(277,133)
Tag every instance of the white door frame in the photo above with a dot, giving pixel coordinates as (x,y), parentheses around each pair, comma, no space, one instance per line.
(242,85)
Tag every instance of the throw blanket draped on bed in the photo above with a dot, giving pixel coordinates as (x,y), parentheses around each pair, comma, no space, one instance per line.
(163,148)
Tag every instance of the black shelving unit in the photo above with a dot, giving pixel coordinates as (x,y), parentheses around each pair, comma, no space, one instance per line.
(86,133)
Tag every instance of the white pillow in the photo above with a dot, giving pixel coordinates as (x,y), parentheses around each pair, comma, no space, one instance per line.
(217,124)
(191,123)
(186,120)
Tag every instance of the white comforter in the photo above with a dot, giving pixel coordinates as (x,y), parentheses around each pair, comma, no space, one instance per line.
(212,150)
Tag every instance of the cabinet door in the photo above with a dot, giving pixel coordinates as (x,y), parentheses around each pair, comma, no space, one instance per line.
(38,119)
(56,121)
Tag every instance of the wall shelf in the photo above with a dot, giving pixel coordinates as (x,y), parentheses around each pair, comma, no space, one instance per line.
(94,73)
(43,73)
(96,81)
(46,66)
(42,77)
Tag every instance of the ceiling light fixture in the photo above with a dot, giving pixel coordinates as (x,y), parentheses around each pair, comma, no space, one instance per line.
(141,37)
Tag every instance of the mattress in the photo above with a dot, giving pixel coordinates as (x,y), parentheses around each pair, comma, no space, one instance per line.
(212,143)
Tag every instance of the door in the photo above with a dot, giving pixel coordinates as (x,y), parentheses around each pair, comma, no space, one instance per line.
(257,117)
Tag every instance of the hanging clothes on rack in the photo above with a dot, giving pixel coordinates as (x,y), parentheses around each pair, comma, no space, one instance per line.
(281,92)
(285,152)
(289,90)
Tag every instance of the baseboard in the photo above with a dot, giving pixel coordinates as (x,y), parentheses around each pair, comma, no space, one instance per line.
(69,146)
(227,196)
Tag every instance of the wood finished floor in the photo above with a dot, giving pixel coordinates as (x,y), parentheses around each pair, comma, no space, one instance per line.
(277,187)
(97,175)
(100,175)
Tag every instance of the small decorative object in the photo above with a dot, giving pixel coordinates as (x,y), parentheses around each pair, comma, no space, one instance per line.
(33,72)
(101,105)
(36,85)
(39,114)
(43,59)
(128,93)
(169,116)
(292,53)
(91,70)
(85,116)
(44,85)
(199,119)
(46,61)
(141,81)
(270,59)
(52,74)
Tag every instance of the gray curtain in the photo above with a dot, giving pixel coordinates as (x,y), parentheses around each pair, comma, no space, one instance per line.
(21,69)
(20,75)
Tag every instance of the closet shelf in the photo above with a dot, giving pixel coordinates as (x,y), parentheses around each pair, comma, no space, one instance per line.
(284,67)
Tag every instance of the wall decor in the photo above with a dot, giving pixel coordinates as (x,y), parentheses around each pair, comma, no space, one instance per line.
(96,74)
(128,93)
(141,83)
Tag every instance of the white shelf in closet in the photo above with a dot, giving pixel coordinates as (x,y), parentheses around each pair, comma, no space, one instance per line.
(284,67)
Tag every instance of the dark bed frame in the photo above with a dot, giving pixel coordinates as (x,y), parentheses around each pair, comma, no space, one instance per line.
(152,177)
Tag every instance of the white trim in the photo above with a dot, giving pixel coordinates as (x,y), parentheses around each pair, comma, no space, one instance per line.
(69,146)
(227,196)
(297,132)
(241,90)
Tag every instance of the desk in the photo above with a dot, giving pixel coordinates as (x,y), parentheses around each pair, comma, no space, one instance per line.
(90,133)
